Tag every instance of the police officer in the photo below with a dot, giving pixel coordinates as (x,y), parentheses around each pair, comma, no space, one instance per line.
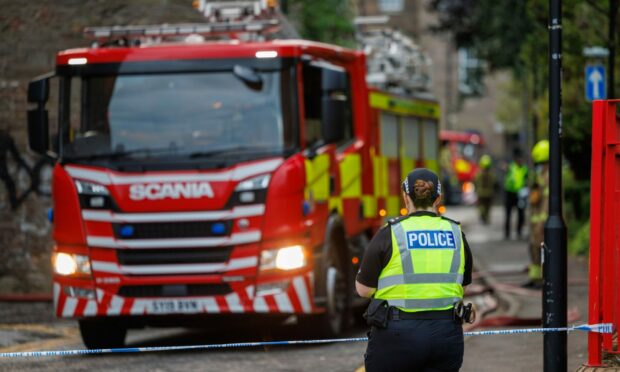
(415,268)
(539,193)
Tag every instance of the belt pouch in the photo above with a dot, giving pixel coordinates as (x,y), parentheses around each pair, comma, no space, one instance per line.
(377,313)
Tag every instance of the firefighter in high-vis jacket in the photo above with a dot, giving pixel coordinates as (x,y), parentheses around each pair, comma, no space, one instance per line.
(539,194)
(485,182)
(415,268)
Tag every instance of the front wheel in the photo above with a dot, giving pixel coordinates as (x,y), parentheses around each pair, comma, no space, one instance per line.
(337,299)
(102,333)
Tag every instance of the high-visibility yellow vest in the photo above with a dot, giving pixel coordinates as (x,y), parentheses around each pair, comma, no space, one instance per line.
(425,272)
(516,177)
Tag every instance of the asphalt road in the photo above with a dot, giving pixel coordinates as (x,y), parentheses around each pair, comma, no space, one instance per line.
(31,327)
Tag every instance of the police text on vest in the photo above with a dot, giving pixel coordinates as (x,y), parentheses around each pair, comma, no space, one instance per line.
(430,240)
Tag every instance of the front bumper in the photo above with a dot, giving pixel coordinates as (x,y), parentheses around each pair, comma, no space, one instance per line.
(295,299)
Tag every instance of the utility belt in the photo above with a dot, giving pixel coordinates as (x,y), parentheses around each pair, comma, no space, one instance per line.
(397,314)
(379,312)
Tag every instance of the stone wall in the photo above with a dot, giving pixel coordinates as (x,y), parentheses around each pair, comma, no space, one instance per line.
(31,32)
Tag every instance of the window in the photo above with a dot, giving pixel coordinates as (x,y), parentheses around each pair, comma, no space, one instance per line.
(314,95)
(181,114)
(471,73)
(389,135)
(391,6)
(411,138)
(312,104)
(430,140)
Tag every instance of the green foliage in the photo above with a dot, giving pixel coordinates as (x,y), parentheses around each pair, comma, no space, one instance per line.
(579,237)
(514,35)
(329,21)
(576,213)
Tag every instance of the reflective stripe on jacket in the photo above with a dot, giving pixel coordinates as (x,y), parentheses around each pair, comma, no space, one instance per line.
(425,272)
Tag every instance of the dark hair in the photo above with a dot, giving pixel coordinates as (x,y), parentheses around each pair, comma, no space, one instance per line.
(422,195)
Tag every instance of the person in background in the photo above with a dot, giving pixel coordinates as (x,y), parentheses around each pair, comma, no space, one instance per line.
(415,267)
(539,194)
(515,183)
(484,181)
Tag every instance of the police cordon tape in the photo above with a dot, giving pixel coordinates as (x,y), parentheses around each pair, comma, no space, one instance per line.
(599,328)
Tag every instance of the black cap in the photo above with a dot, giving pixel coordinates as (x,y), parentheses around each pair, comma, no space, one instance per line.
(424,175)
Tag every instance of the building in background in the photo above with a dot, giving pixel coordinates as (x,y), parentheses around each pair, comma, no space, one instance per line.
(467,95)
(31,33)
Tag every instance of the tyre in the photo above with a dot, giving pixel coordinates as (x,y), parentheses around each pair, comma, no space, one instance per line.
(102,333)
(334,288)
(337,314)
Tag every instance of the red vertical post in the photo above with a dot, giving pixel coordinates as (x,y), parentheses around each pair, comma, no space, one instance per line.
(611,222)
(610,258)
(596,246)
(609,226)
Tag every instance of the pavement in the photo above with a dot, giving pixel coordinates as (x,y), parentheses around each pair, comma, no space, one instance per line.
(501,264)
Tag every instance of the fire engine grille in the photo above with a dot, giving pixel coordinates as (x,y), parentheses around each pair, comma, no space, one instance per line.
(173,256)
(182,290)
(166,230)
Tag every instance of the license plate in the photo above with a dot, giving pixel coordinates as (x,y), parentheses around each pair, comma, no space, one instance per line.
(174,306)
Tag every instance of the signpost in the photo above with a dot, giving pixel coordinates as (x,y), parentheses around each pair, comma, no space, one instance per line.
(595,82)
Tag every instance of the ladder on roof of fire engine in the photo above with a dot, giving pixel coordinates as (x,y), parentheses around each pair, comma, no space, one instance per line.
(246,20)
(394,61)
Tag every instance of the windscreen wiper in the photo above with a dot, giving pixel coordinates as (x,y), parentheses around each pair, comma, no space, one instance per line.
(241,150)
(122,154)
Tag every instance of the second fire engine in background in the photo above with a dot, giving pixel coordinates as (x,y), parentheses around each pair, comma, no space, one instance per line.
(459,155)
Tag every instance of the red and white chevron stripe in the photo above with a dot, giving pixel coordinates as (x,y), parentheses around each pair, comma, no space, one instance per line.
(296,300)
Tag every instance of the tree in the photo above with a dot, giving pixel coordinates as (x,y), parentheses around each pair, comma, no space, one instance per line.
(329,21)
(513,35)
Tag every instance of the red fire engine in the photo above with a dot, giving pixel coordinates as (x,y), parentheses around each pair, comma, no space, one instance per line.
(460,151)
(218,178)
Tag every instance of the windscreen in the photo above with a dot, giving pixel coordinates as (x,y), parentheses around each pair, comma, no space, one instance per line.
(184,114)
(468,151)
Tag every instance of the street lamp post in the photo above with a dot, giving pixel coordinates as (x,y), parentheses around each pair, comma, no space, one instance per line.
(554,255)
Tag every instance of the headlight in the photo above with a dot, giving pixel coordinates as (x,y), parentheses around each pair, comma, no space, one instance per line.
(89,188)
(256,183)
(67,264)
(287,258)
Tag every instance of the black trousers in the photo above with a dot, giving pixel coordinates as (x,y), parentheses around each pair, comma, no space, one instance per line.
(512,201)
(415,345)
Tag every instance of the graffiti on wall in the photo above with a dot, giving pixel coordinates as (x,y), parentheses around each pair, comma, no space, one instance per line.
(20,177)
